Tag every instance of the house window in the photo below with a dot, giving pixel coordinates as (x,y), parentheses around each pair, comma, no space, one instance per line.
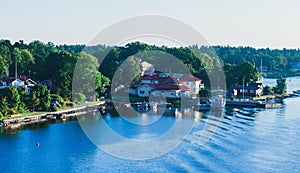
(243,91)
(173,93)
(142,92)
(187,83)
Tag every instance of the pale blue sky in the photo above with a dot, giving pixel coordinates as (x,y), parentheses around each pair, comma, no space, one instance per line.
(258,23)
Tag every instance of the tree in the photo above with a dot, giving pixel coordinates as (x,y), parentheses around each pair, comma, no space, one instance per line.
(281,85)
(243,74)
(248,72)
(39,52)
(16,56)
(3,66)
(85,75)
(40,98)
(60,69)
(12,97)
(4,108)
(127,72)
(231,74)
(25,62)
(5,51)
(101,83)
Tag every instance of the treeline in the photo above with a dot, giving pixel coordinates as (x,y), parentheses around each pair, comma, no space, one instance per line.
(198,63)
(199,59)
(40,62)
(56,63)
(275,60)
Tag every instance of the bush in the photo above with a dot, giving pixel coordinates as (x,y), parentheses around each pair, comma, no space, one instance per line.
(13,111)
(57,98)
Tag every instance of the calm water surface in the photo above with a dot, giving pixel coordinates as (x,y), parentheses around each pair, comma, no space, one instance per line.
(245,141)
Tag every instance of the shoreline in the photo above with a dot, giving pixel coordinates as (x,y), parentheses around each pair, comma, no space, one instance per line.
(13,123)
(63,115)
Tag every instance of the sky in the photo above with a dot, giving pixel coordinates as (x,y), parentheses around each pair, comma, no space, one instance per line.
(255,23)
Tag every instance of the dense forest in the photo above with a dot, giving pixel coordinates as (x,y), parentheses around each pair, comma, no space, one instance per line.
(275,62)
(41,61)
(46,61)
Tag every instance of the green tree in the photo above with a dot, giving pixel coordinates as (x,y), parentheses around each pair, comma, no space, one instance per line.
(231,74)
(5,51)
(245,73)
(40,98)
(12,97)
(60,70)
(281,85)
(4,107)
(86,76)
(101,83)
(248,72)
(25,62)
(3,65)
(129,70)
(16,56)
(268,90)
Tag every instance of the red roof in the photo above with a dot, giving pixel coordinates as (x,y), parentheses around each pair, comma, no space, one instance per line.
(157,78)
(10,79)
(189,78)
(185,78)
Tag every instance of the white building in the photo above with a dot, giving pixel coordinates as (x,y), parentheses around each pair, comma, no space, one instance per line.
(17,82)
(169,85)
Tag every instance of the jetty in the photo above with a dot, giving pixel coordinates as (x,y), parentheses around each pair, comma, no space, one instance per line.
(17,122)
(252,104)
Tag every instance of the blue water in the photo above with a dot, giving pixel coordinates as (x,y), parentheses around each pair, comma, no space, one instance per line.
(261,141)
